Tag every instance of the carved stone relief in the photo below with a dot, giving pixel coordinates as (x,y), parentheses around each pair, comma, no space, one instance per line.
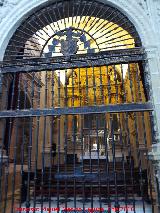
(6,6)
(158,11)
(143,4)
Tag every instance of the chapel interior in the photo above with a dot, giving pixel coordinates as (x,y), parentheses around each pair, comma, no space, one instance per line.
(79,143)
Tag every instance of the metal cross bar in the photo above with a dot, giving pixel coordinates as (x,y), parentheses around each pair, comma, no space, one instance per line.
(97,59)
(111,108)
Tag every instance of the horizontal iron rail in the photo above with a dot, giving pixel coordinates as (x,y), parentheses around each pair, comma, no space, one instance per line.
(77,61)
(131,107)
(87,176)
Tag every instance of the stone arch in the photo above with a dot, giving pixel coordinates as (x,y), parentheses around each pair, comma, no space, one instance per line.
(20,11)
(26,8)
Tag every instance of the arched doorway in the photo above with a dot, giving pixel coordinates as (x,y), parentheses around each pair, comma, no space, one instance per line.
(82,65)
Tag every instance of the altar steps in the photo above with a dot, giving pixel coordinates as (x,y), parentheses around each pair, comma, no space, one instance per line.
(72,180)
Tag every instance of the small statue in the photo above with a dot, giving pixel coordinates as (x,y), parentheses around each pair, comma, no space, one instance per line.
(94,146)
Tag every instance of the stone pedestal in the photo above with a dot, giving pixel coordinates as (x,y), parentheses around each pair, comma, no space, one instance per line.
(154,157)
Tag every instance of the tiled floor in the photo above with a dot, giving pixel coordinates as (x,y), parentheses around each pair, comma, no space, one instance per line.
(79,204)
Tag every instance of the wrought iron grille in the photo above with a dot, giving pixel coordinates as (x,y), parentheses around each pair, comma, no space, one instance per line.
(90,25)
(76,116)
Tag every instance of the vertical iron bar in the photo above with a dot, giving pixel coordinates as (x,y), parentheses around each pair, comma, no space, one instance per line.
(66,135)
(58,162)
(44,143)
(116,84)
(99,170)
(72,12)
(74,155)
(73,77)
(36,178)
(59,139)
(138,82)
(80,88)
(107,163)
(82,157)
(65,156)
(14,167)
(22,145)
(114,164)
(52,89)
(139,161)
(32,90)
(87,87)
(18,92)
(123,85)
(94,86)
(108,86)
(13,91)
(123,161)
(74,136)
(30,143)
(68,10)
(29,164)
(101,88)
(93,127)
(89,130)
(59,89)
(1,160)
(51,160)
(130,159)
(23,188)
(122,117)
(131,83)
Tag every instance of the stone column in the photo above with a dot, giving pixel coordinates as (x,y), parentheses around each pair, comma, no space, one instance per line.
(152,76)
(152,79)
